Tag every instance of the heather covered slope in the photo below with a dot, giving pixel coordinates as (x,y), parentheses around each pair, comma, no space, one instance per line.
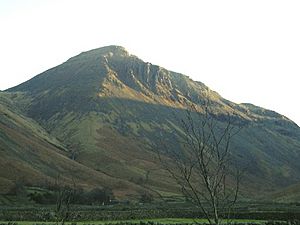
(110,107)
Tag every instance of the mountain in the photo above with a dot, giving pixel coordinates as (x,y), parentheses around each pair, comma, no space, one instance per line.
(106,108)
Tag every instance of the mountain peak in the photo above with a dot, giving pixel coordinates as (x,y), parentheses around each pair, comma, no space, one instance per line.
(114,49)
(97,53)
(111,50)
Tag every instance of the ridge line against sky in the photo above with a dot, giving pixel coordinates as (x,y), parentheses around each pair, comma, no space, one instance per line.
(248,51)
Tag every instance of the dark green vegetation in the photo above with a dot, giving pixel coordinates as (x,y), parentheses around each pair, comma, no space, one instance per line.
(95,119)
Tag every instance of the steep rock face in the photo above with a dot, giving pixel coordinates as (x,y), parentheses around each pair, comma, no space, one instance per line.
(111,106)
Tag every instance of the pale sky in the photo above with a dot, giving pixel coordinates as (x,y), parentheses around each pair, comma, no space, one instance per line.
(247,50)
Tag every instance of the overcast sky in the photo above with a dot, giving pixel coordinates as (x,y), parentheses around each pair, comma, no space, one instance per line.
(248,51)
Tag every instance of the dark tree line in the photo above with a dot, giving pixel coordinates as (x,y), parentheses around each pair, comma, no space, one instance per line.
(97,196)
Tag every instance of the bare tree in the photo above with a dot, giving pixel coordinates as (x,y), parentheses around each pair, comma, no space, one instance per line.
(64,198)
(203,167)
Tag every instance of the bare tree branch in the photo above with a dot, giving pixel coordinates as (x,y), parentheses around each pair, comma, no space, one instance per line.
(202,167)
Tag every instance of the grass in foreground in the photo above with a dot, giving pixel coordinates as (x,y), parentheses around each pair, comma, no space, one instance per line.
(137,221)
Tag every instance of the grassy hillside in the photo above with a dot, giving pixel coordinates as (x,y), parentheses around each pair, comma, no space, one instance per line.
(29,156)
(289,194)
